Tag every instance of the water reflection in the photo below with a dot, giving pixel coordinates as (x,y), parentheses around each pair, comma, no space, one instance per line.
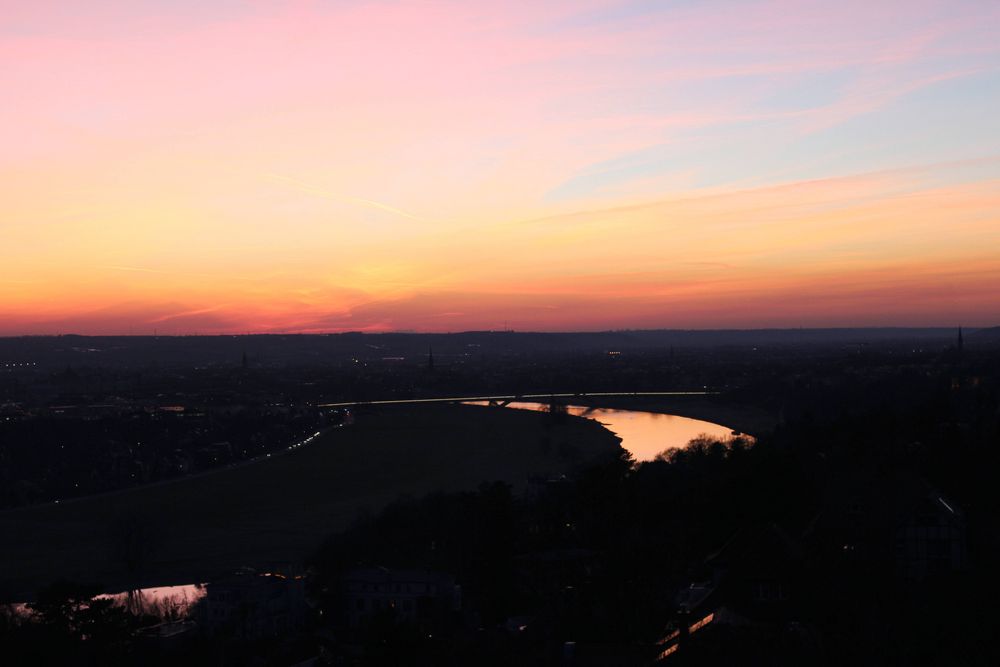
(644,434)
(160,601)
(164,602)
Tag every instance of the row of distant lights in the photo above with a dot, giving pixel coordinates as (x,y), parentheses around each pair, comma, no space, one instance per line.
(304,442)
(290,448)
(24,365)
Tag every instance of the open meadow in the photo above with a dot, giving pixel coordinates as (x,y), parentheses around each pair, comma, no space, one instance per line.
(280,509)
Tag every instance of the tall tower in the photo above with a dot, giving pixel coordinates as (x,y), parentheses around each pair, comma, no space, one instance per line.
(430,358)
(961,342)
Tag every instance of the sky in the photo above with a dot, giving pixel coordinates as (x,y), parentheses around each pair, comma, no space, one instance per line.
(186,167)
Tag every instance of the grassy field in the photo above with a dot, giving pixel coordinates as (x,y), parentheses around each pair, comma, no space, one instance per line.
(281,509)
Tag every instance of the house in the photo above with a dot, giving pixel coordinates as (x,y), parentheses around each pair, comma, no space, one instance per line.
(253,605)
(747,586)
(897,523)
(411,596)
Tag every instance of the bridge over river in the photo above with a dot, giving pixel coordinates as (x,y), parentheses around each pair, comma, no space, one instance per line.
(505,399)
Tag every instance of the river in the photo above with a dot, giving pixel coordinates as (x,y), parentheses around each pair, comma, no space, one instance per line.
(643,434)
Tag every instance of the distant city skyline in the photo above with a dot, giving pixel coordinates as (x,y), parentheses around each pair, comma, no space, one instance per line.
(227,167)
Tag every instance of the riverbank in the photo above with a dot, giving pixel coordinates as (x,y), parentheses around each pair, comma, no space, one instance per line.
(280,510)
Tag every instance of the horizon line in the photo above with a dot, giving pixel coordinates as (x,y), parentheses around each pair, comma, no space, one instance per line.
(406,332)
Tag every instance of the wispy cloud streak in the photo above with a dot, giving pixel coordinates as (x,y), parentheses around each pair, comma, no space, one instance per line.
(578,163)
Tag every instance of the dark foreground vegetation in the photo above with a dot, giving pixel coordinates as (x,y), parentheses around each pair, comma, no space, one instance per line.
(863,530)
(862,533)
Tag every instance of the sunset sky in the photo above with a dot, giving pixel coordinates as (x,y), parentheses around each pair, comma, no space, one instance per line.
(197,166)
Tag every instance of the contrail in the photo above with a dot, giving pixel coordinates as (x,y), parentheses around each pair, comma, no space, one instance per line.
(305,187)
(186,313)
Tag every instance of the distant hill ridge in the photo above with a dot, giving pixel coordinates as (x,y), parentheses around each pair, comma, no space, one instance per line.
(987,334)
(60,351)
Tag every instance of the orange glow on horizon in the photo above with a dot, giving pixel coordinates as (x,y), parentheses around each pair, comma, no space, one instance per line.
(572,166)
